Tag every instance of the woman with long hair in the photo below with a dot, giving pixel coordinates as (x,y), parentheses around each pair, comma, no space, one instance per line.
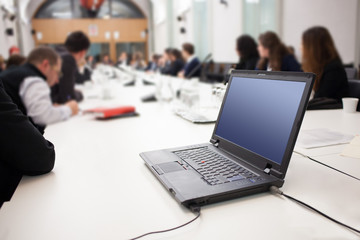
(246,49)
(319,55)
(274,55)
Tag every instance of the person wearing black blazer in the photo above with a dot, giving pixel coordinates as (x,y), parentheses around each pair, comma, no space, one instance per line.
(274,55)
(23,150)
(246,49)
(192,62)
(177,63)
(76,46)
(321,57)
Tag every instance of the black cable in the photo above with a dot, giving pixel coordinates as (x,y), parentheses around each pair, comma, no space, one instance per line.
(335,169)
(193,209)
(276,190)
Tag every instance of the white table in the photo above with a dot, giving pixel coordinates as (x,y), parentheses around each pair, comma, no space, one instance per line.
(101,189)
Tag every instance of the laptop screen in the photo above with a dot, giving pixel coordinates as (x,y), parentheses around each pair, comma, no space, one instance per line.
(258,115)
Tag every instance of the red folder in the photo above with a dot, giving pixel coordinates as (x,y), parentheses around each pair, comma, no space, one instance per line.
(106,112)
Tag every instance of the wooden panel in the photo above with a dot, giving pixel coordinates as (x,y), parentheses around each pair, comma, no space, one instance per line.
(56,30)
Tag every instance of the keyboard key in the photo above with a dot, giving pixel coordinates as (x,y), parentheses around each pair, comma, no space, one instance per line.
(214,168)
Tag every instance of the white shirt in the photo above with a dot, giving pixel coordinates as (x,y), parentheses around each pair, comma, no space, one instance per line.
(190,58)
(35,95)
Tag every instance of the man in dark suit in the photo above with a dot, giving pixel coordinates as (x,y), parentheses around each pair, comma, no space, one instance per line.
(23,150)
(192,62)
(76,46)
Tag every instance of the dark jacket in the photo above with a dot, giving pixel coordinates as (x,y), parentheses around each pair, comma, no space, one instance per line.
(333,82)
(190,66)
(247,64)
(12,79)
(290,64)
(166,69)
(23,149)
(65,89)
(176,67)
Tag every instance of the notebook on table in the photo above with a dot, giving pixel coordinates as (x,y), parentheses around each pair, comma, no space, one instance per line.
(112,112)
(251,144)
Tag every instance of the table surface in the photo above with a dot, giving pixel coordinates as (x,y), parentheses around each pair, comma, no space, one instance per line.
(101,189)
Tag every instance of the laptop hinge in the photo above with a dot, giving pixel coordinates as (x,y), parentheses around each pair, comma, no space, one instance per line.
(214,142)
(273,172)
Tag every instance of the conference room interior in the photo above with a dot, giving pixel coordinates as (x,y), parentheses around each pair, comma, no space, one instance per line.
(88,88)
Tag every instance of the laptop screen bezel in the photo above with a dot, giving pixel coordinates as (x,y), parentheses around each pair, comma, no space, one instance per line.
(250,157)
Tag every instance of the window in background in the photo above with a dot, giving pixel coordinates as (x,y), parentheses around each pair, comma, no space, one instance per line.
(130,48)
(98,50)
(260,16)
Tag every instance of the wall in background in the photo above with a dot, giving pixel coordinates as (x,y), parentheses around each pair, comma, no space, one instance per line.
(6,41)
(222,26)
(225,28)
(339,16)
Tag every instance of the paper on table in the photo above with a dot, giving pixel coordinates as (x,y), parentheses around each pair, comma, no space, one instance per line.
(353,149)
(321,137)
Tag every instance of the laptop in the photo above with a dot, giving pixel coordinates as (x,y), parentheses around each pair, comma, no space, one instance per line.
(250,147)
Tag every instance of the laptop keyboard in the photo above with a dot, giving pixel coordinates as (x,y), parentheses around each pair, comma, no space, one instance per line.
(215,168)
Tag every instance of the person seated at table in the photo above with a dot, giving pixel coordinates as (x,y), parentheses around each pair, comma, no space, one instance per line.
(177,62)
(246,49)
(76,46)
(192,62)
(165,62)
(153,65)
(123,59)
(15,60)
(274,55)
(320,56)
(23,150)
(106,60)
(29,88)
(90,62)
(137,61)
(84,73)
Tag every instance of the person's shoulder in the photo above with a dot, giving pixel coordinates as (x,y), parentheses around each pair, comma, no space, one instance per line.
(334,64)
(289,58)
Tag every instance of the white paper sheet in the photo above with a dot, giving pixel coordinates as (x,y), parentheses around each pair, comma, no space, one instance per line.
(353,149)
(321,137)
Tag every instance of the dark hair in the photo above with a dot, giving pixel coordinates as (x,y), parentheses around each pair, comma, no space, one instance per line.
(318,50)
(77,41)
(189,48)
(176,53)
(247,47)
(39,54)
(167,50)
(15,60)
(277,50)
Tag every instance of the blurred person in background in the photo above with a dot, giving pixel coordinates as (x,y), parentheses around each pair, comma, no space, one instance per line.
(177,62)
(191,62)
(29,88)
(76,46)
(246,49)
(15,60)
(320,56)
(137,61)
(274,55)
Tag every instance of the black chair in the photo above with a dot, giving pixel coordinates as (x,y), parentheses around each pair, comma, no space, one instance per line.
(351,73)
(354,90)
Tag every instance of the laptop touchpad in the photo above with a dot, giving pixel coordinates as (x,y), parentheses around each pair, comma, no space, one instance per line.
(170,167)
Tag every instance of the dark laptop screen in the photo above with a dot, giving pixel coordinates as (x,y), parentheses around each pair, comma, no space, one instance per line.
(258,115)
